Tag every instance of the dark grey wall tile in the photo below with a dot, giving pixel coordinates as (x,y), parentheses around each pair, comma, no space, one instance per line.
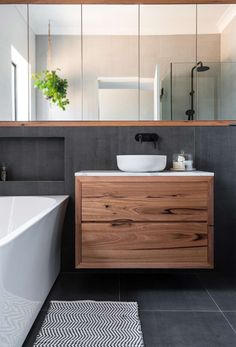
(215,151)
(95,148)
(171,140)
(33,158)
(16,188)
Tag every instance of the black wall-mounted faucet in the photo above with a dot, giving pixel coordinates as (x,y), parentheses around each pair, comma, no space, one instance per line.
(147,137)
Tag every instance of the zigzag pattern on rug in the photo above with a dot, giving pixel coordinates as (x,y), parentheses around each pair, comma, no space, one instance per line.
(91,324)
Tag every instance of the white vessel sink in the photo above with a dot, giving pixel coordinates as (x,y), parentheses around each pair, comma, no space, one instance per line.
(141,163)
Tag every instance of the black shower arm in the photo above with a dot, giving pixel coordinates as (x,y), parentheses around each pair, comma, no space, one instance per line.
(192,90)
(199,63)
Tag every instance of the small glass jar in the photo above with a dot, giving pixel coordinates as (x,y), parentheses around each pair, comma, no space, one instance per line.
(182,161)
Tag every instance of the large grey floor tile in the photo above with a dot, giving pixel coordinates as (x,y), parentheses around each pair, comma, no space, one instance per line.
(222,288)
(166,292)
(82,286)
(231,316)
(186,329)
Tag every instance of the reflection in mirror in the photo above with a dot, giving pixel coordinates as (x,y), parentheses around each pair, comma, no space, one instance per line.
(110,62)
(119,62)
(14,63)
(216,87)
(55,59)
(167,53)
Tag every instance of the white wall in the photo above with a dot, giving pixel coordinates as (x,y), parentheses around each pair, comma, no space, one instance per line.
(32,62)
(13,30)
(228,71)
(66,55)
(109,56)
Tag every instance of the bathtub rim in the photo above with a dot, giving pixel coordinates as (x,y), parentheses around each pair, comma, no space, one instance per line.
(18,231)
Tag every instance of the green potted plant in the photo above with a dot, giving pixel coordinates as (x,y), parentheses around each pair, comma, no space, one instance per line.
(53,87)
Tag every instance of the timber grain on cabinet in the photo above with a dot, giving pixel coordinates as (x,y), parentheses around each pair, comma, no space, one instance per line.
(144,222)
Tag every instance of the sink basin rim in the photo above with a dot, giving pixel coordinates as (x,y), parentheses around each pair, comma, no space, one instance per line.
(148,163)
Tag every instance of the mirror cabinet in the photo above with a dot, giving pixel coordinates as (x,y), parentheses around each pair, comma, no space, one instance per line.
(73,62)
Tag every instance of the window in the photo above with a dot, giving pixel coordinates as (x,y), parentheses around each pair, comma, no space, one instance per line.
(14,90)
(20,73)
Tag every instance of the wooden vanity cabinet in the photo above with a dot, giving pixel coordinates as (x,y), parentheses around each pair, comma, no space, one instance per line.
(144,222)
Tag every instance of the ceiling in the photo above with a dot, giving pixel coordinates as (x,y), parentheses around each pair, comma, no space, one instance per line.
(123,19)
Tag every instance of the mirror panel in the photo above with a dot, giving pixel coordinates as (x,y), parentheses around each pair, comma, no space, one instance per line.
(55,45)
(14,63)
(216,86)
(118,62)
(110,62)
(167,51)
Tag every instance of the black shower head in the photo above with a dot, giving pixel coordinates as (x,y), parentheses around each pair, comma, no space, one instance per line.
(201,67)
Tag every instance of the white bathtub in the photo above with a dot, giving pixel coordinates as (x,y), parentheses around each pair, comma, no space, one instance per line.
(30,247)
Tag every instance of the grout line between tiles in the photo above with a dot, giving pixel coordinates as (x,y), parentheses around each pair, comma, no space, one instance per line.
(227,320)
(233,311)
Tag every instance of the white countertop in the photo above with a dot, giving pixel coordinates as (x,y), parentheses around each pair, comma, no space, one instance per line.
(163,173)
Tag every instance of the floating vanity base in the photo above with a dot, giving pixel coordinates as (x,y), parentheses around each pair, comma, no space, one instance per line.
(155,221)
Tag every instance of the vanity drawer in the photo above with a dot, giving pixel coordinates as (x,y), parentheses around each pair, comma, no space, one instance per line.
(144,222)
(145,201)
(123,244)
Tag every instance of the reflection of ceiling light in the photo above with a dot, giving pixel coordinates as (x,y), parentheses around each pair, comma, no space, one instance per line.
(226,18)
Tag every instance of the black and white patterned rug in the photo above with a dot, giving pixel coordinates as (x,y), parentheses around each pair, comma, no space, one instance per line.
(91,324)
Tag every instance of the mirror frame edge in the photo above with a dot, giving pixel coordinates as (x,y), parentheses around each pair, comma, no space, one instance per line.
(117,2)
(117,123)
